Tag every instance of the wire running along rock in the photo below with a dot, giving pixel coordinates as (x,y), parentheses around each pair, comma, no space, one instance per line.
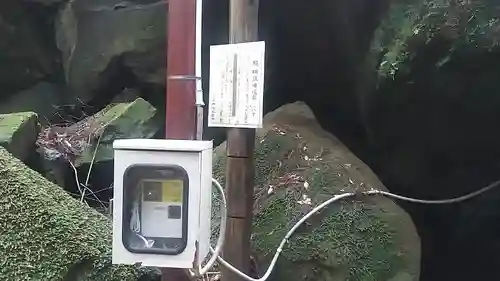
(215,252)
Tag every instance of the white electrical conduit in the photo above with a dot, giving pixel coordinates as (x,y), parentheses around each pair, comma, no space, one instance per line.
(222,232)
(198,70)
(215,252)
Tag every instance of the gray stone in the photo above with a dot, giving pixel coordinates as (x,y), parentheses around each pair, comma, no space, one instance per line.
(24,55)
(95,35)
(18,133)
(127,95)
(43,99)
(46,2)
(95,134)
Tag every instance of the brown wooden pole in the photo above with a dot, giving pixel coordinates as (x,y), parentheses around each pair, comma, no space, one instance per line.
(181,82)
(243,27)
(180,117)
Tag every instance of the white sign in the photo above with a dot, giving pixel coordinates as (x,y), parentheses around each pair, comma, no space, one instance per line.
(236,85)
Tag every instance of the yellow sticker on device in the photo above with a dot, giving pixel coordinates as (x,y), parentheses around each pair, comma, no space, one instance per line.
(172,191)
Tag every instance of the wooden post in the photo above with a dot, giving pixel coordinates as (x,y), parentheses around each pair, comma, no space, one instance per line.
(243,27)
(180,118)
(181,82)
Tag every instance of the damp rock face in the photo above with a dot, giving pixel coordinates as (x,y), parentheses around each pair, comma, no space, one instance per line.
(434,102)
(43,99)
(98,37)
(431,122)
(18,133)
(24,54)
(298,166)
(47,235)
(91,140)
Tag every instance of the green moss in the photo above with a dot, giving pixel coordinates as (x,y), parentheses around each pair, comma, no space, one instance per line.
(137,119)
(411,25)
(219,167)
(10,123)
(391,37)
(349,241)
(47,235)
(269,150)
(20,129)
(274,223)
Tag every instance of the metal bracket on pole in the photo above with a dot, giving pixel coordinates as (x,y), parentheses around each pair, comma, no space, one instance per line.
(199,91)
(184,77)
(199,101)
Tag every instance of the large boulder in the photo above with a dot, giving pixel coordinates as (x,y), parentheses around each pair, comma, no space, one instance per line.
(18,133)
(99,37)
(24,55)
(91,140)
(47,235)
(298,166)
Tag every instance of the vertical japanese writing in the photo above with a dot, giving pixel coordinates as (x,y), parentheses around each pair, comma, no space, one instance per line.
(247,100)
(235,77)
(227,92)
(254,85)
(212,113)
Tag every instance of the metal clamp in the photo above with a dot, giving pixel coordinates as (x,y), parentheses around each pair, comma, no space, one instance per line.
(184,77)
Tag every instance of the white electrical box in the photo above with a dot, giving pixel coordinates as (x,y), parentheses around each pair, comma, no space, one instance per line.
(162,202)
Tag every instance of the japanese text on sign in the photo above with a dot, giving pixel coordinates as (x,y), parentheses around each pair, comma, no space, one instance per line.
(236,85)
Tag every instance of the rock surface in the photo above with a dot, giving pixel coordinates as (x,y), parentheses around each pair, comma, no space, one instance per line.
(44,99)
(18,133)
(24,56)
(437,92)
(431,121)
(98,37)
(47,235)
(46,2)
(95,134)
(298,166)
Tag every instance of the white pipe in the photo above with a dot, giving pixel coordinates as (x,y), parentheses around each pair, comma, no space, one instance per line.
(199,89)
(198,70)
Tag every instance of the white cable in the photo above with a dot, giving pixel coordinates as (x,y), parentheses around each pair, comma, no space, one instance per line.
(443,201)
(135,222)
(135,225)
(222,232)
(330,201)
(283,242)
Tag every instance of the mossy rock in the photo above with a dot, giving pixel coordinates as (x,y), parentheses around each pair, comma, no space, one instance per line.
(428,47)
(137,119)
(45,235)
(434,98)
(18,133)
(353,240)
(444,27)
